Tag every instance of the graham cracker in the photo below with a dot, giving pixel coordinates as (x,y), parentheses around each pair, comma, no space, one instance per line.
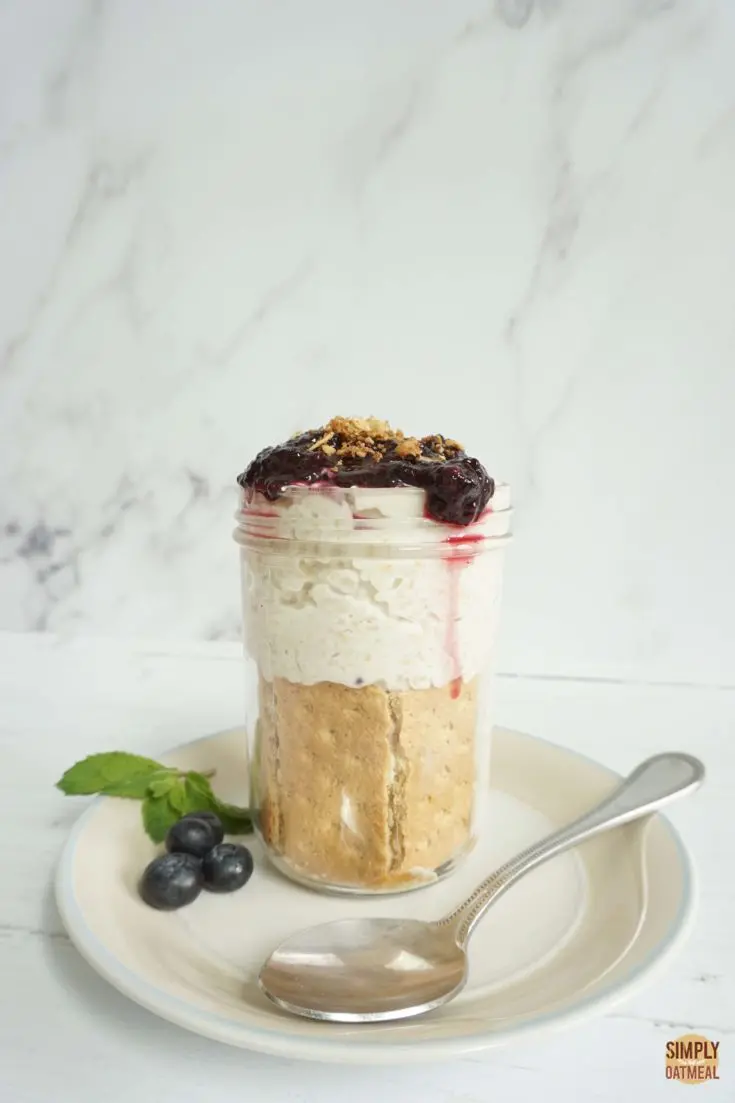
(362,786)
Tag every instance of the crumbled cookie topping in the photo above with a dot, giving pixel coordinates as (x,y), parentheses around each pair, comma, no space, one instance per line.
(368,438)
(410,447)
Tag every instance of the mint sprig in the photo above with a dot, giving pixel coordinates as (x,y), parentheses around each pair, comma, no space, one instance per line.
(166,793)
(101,773)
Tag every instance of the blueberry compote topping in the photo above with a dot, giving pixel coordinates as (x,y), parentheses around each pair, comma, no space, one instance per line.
(367,452)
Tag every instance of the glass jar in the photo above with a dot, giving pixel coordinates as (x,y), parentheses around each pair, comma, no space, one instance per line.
(370,630)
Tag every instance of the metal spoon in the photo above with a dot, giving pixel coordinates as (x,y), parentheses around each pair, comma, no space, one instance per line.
(369,970)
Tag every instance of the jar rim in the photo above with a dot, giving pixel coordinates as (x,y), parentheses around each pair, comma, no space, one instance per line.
(379,518)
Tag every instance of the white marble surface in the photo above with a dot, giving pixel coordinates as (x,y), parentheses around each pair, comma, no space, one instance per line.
(67,1036)
(225,221)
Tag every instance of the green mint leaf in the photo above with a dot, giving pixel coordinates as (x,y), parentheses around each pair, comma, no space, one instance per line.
(236,821)
(199,795)
(139,785)
(162,783)
(178,797)
(198,783)
(158,817)
(198,798)
(99,773)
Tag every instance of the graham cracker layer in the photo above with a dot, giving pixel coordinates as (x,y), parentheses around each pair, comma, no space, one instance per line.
(363,786)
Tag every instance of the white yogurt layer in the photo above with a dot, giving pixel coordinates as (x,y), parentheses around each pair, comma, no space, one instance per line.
(357,586)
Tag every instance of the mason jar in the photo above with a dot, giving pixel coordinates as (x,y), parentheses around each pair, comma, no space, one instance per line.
(370,631)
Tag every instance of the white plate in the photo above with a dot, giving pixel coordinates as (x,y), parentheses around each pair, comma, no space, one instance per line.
(568,941)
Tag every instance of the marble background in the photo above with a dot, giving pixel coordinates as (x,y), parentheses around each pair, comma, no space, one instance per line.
(511,222)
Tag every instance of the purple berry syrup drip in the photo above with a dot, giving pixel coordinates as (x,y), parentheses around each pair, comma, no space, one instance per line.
(457,489)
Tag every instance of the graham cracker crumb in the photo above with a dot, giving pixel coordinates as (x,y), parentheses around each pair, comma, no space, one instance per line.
(409,447)
(321,442)
(357,428)
(369,438)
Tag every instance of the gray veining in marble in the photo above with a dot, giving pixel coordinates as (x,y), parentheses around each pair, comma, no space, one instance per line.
(509,221)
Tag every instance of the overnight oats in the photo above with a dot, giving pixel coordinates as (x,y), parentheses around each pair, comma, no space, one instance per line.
(371,570)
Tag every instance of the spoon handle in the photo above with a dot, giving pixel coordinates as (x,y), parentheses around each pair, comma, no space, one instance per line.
(652,784)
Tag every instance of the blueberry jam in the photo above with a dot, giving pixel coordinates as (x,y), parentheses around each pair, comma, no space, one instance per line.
(369,453)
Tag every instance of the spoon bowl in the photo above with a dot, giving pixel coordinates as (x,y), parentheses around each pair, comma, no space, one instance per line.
(372,970)
(365,970)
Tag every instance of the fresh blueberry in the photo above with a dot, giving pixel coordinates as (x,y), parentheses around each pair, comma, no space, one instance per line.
(227,867)
(171,881)
(191,835)
(459,491)
(212,819)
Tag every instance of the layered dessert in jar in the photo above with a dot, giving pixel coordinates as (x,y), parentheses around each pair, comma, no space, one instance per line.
(372,571)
